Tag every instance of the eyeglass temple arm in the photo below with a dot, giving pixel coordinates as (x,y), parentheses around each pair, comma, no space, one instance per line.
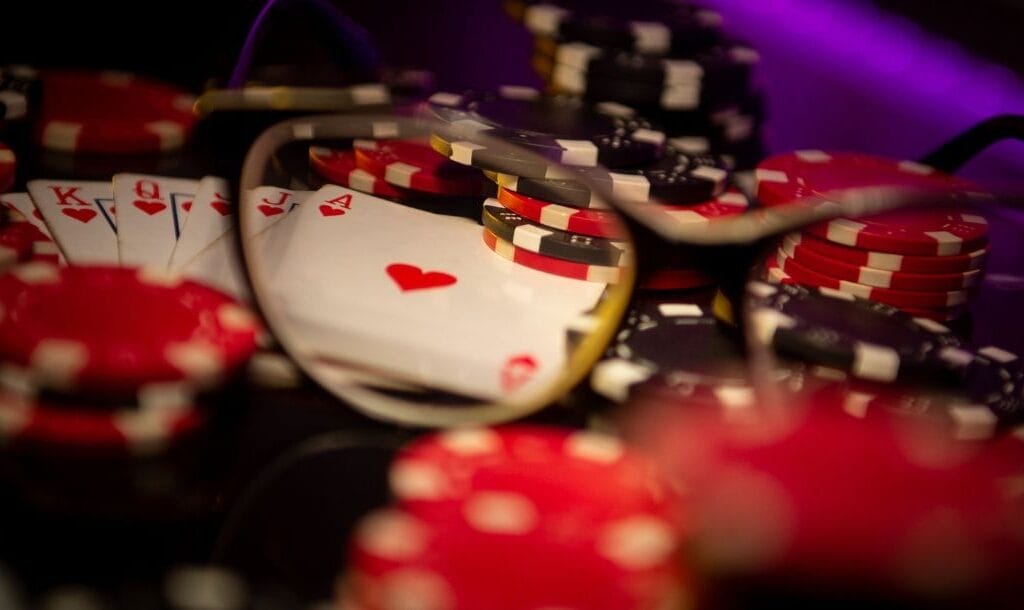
(955,153)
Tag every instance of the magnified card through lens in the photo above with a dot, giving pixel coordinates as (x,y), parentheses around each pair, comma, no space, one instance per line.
(414,304)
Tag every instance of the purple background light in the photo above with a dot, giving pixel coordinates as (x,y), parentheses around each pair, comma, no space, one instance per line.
(847,75)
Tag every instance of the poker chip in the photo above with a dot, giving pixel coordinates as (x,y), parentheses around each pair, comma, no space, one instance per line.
(49,424)
(874,277)
(563,129)
(922,232)
(512,228)
(452,466)
(989,376)
(569,80)
(19,92)
(917,232)
(802,173)
(648,345)
(952,411)
(339,166)
(596,223)
(643,80)
(949,314)
(919,299)
(958,263)
(677,178)
(112,112)
(474,505)
(867,339)
(657,29)
(730,203)
(768,508)
(7,165)
(539,262)
(17,240)
(416,166)
(773,273)
(130,331)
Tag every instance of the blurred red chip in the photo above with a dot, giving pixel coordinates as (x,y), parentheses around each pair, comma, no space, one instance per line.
(825,503)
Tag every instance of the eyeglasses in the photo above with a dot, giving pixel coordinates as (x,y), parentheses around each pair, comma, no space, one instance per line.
(403,311)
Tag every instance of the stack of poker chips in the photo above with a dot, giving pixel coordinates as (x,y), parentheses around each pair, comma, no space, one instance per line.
(108,376)
(474,506)
(736,507)
(555,220)
(926,261)
(670,60)
(405,171)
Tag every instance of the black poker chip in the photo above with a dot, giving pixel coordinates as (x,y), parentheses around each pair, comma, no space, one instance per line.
(989,376)
(723,66)
(676,343)
(565,129)
(564,245)
(677,178)
(20,90)
(655,28)
(867,339)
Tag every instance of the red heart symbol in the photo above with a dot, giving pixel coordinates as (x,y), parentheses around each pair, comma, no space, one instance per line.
(37,214)
(187,206)
(150,207)
(269,210)
(518,370)
(411,277)
(113,210)
(82,215)
(327,210)
(223,207)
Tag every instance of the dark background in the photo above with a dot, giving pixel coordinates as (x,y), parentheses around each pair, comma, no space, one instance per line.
(817,98)
(467,42)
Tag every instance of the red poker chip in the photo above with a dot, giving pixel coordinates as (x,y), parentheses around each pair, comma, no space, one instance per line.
(7,167)
(112,112)
(554,266)
(892,262)
(784,501)
(339,166)
(875,277)
(595,223)
(932,232)
(783,178)
(417,166)
(728,204)
(938,232)
(774,273)
(918,299)
(398,560)
(581,520)
(137,429)
(16,243)
(109,331)
(591,475)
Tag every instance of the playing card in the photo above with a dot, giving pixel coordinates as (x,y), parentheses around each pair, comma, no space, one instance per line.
(266,205)
(419,295)
(22,204)
(212,214)
(219,265)
(80,216)
(151,214)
